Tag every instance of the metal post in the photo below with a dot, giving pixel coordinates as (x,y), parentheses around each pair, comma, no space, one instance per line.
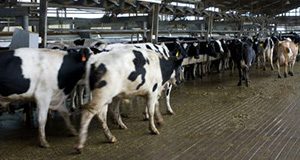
(150,26)
(155,23)
(145,39)
(25,23)
(240,28)
(209,26)
(43,22)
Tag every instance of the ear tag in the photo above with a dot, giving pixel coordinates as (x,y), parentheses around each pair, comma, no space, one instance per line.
(177,54)
(261,44)
(83,58)
(206,45)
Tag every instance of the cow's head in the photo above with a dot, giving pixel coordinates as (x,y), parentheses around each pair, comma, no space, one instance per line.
(210,49)
(218,47)
(177,75)
(193,50)
(81,54)
(178,50)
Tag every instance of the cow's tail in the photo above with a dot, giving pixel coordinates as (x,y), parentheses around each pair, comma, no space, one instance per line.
(87,80)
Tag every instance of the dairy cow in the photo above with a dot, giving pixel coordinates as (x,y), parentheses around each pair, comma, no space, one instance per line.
(44,76)
(243,55)
(161,50)
(264,50)
(287,52)
(135,72)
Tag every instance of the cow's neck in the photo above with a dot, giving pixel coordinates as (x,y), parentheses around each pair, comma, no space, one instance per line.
(167,67)
(70,72)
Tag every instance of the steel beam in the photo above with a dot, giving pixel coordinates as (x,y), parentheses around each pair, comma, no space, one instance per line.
(14,12)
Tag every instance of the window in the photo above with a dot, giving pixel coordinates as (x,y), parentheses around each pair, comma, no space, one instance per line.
(293,12)
(214,9)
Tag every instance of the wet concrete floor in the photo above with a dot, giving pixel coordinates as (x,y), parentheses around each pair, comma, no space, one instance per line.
(214,119)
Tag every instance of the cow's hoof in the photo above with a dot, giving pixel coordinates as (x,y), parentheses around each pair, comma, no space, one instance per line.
(160,122)
(291,73)
(123,126)
(264,69)
(78,150)
(73,133)
(146,117)
(239,84)
(44,145)
(247,84)
(113,139)
(155,132)
(285,75)
(170,112)
(279,76)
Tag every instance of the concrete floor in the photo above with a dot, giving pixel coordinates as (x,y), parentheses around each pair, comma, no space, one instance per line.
(214,119)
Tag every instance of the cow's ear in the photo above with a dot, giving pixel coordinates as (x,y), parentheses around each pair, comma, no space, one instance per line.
(95,50)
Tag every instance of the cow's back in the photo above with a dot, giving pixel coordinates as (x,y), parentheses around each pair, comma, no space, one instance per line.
(25,69)
(128,73)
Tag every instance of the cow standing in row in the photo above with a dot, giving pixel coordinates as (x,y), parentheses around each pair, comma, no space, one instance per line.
(44,76)
(243,55)
(264,50)
(164,50)
(287,52)
(135,72)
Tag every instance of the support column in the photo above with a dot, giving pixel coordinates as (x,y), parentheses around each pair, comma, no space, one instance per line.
(209,26)
(155,23)
(43,22)
(152,24)
(25,23)
(240,28)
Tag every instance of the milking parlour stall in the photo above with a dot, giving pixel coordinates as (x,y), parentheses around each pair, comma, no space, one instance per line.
(149,79)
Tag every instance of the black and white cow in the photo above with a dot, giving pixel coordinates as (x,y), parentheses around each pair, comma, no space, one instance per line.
(161,50)
(243,55)
(135,72)
(264,50)
(44,76)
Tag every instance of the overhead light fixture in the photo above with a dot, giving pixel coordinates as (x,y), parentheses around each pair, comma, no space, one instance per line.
(287,2)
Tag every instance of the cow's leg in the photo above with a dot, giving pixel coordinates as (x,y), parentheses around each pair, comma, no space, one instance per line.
(232,67)
(201,70)
(81,95)
(65,114)
(194,70)
(158,115)
(286,64)
(264,60)
(86,117)
(291,72)
(226,63)
(246,73)
(271,59)
(146,114)
(257,62)
(278,67)
(43,103)
(167,93)
(102,116)
(186,72)
(240,76)
(116,113)
(151,102)
(73,98)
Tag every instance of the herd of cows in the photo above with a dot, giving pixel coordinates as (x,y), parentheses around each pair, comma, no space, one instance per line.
(120,71)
